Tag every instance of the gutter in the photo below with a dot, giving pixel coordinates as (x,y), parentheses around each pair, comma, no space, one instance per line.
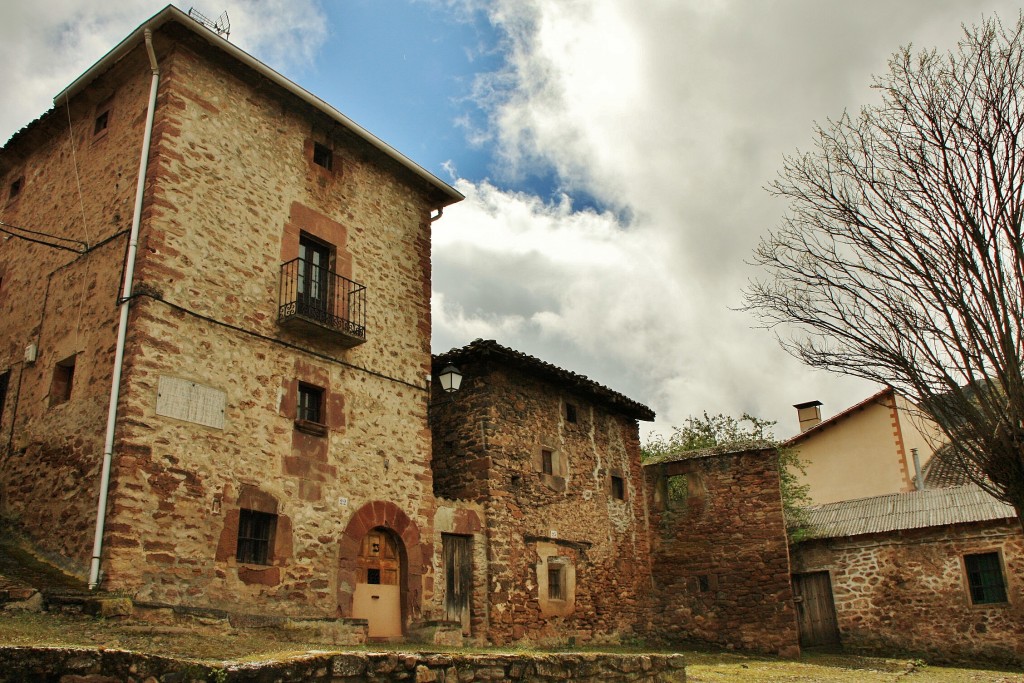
(122,327)
(172,14)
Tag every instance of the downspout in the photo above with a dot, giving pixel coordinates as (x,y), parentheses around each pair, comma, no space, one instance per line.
(122,328)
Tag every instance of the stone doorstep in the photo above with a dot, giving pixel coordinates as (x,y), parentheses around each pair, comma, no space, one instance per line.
(16,594)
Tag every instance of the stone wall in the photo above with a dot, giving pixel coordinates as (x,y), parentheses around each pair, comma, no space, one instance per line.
(63,302)
(489,439)
(907,592)
(89,666)
(231,186)
(720,554)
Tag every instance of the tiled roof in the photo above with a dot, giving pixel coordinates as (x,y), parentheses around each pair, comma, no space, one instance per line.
(945,470)
(825,424)
(900,511)
(489,348)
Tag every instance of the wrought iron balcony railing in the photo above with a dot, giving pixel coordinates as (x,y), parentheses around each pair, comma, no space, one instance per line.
(321,302)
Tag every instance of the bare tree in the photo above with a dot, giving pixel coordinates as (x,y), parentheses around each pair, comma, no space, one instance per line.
(900,259)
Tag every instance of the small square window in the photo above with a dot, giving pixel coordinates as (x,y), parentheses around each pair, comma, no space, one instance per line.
(985,578)
(570,412)
(15,189)
(677,491)
(373,576)
(556,581)
(102,121)
(323,156)
(547,461)
(255,536)
(63,380)
(311,404)
(5,378)
(618,487)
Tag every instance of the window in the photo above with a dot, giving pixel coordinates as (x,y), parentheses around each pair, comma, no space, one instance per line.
(618,487)
(314,298)
(547,461)
(323,156)
(556,580)
(985,578)
(16,187)
(570,412)
(311,404)
(677,491)
(5,378)
(255,536)
(102,121)
(63,379)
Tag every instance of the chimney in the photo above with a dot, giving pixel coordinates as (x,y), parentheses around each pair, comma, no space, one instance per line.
(809,414)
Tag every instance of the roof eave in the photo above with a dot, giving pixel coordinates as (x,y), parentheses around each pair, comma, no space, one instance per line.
(170,13)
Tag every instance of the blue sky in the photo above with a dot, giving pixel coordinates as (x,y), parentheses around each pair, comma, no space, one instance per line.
(613,154)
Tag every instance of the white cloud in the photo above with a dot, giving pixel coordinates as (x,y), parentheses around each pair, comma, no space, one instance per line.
(45,45)
(678,113)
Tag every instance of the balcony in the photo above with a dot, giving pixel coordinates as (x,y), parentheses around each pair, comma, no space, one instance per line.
(320,303)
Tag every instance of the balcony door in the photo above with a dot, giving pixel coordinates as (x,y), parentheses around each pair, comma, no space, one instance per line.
(314,297)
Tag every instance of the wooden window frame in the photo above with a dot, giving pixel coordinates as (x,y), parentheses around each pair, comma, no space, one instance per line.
(556,579)
(256,534)
(972,569)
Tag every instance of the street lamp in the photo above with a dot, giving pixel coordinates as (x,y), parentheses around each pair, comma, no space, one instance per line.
(451,379)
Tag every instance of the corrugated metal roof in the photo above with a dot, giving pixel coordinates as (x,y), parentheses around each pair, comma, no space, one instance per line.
(912,510)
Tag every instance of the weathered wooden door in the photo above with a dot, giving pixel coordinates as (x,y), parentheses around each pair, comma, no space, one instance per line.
(377,596)
(458,578)
(816,610)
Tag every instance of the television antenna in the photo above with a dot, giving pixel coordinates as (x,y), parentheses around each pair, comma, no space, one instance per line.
(222,27)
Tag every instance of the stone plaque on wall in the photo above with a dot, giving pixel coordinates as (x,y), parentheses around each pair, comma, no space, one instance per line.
(189,401)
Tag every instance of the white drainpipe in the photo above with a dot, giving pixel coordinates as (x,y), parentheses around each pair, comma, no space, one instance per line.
(122,328)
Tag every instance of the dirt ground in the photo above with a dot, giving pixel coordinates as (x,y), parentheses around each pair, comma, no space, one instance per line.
(68,630)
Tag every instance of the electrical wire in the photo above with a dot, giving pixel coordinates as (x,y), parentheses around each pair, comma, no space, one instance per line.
(44,243)
(274,340)
(44,234)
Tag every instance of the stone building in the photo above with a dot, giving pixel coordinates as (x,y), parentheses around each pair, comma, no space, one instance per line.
(270,450)
(866,450)
(720,557)
(553,460)
(937,573)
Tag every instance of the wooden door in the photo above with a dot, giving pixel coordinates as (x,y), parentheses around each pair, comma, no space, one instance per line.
(377,596)
(314,281)
(458,579)
(816,610)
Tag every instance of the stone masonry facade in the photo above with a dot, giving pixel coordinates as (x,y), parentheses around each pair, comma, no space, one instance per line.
(908,591)
(233,185)
(282,467)
(720,559)
(562,523)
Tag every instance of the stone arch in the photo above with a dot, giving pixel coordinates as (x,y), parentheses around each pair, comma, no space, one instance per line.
(386,515)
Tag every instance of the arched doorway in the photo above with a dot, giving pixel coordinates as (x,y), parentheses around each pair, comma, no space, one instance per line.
(397,537)
(378,590)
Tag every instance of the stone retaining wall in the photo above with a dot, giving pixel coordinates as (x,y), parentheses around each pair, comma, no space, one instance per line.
(112,666)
